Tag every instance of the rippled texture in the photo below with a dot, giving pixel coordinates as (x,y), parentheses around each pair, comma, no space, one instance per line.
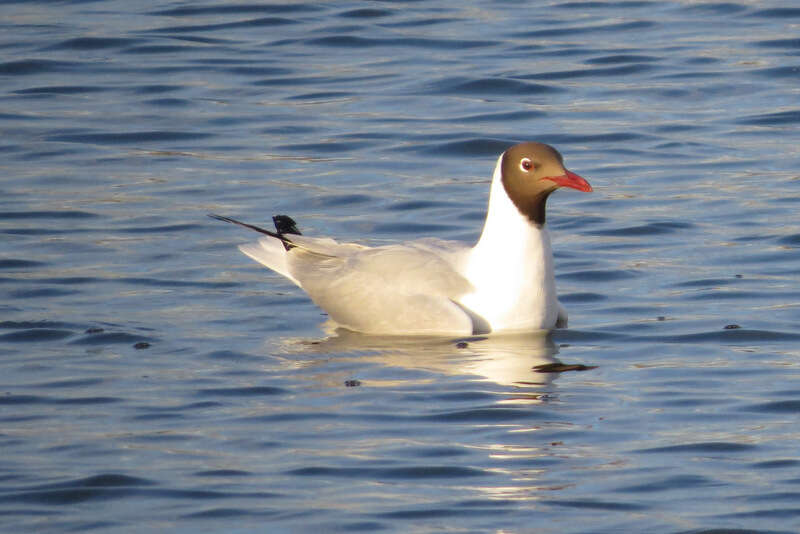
(153,378)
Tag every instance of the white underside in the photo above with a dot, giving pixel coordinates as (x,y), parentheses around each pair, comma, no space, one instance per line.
(430,287)
(511,268)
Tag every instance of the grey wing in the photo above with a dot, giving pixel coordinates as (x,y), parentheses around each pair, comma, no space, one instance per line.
(385,290)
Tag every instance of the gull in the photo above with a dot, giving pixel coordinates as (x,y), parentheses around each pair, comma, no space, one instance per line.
(504,283)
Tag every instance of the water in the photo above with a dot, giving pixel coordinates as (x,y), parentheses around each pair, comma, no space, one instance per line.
(154,379)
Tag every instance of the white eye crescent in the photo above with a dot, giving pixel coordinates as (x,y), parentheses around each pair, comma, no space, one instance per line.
(525,164)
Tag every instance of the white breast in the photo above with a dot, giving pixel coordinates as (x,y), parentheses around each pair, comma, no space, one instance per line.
(511,269)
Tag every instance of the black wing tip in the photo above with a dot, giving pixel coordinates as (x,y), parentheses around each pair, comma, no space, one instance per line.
(285,225)
(284,219)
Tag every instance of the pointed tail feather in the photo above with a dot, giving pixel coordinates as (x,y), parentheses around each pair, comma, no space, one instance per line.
(285,225)
(287,243)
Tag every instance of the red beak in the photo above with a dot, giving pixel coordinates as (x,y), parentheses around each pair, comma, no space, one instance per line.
(570,179)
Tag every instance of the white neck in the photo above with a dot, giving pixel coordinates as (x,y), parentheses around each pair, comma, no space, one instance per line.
(504,223)
(511,268)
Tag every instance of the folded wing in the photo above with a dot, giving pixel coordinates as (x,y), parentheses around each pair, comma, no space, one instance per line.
(396,289)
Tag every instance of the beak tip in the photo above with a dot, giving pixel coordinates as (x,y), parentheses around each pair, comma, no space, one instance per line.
(570,179)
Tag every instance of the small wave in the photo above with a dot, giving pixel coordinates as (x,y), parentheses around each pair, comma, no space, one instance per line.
(352,41)
(412,228)
(413,205)
(776,464)
(493,415)
(517,115)
(108,338)
(582,297)
(40,292)
(36,334)
(36,324)
(341,200)
(597,504)
(654,228)
(709,447)
(186,227)
(622,58)
(235,9)
(624,70)
(93,43)
(120,138)
(28,400)
(490,86)
(409,472)
(729,335)
(249,23)
(790,72)
(793,240)
(61,90)
(773,119)
(596,275)
(25,67)
(777,13)
(330,147)
(713,8)
(583,30)
(779,43)
(251,391)
(788,406)
(469,147)
(678,483)
(223,473)
(365,13)
(12,263)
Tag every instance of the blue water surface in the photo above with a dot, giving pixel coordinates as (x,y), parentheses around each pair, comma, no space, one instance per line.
(155,379)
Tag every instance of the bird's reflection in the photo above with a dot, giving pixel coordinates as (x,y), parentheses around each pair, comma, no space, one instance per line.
(499,386)
(519,361)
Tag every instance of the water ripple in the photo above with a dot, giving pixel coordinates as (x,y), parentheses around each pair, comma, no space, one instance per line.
(492,86)
(596,504)
(676,483)
(772,119)
(243,391)
(105,338)
(781,13)
(712,447)
(113,487)
(365,13)
(26,67)
(352,41)
(411,472)
(17,264)
(792,406)
(93,43)
(115,138)
(36,334)
(595,28)
(248,23)
(235,9)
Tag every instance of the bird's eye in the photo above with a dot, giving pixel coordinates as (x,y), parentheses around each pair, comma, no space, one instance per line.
(525,164)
